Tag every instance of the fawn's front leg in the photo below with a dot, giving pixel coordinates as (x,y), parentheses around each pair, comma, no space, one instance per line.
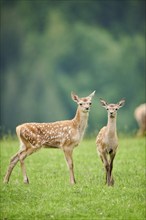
(107,167)
(68,156)
(112,156)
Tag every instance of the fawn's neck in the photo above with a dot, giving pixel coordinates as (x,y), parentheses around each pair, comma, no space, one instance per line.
(111,126)
(80,121)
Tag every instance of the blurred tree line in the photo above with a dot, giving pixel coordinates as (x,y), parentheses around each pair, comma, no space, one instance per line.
(50,48)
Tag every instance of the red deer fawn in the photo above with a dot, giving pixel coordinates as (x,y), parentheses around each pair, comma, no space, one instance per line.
(107,140)
(140,116)
(61,134)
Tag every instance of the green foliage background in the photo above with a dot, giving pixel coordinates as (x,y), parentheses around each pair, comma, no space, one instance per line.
(49,48)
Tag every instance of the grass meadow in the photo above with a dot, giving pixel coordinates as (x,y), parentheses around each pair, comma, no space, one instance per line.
(50,196)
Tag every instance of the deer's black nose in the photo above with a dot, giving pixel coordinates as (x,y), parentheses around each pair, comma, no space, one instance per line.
(87,109)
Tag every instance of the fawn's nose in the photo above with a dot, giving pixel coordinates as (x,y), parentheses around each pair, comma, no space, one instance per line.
(87,109)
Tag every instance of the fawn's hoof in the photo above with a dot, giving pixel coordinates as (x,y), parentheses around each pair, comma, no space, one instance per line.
(111,183)
(73,182)
(26,181)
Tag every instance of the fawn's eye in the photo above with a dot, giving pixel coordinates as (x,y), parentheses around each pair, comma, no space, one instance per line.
(116,109)
(90,103)
(81,104)
(107,109)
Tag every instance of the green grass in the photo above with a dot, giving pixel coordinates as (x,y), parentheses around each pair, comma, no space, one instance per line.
(50,196)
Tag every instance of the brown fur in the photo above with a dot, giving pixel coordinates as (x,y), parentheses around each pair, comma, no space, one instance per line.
(62,134)
(107,140)
(140,116)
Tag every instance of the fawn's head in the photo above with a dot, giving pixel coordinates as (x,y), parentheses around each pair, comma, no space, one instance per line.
(83,103)
(112,108)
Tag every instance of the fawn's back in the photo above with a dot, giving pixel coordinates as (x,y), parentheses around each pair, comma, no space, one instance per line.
(56,134)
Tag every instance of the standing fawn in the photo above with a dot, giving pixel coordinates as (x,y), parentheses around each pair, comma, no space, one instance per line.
(61,134)
(140,116)
(107,140)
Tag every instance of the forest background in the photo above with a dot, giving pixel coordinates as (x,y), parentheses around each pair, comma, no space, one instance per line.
(50,48)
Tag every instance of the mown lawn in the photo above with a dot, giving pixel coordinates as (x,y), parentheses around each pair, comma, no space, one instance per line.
(50,196)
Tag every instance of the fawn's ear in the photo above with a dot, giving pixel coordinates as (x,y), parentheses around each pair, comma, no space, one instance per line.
(103,102)
(92,94)
(75,97)
(121,103)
